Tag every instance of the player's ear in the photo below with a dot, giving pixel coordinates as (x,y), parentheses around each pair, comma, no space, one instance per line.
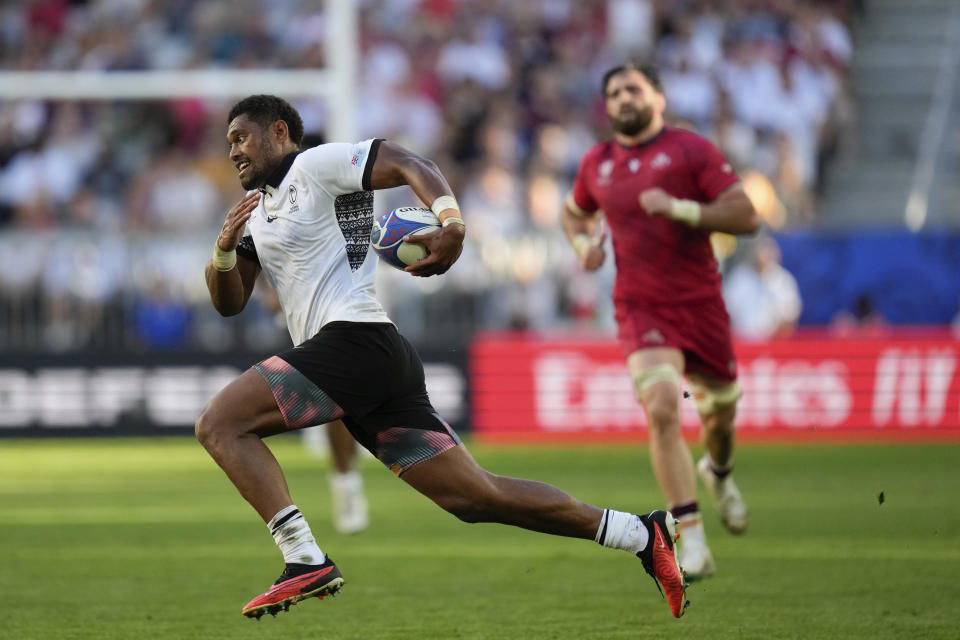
(661,101)
(280,130)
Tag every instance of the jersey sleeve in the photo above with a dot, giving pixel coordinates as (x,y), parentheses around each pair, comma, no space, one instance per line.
(247,248)
(711,170)
(342,167)
(579,200)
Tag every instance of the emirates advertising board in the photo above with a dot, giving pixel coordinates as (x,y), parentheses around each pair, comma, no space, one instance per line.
(816,387)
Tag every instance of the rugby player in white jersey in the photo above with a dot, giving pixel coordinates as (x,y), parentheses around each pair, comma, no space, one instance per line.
(306,224)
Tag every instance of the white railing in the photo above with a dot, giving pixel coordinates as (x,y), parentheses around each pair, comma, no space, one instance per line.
(335,84)
(935,126)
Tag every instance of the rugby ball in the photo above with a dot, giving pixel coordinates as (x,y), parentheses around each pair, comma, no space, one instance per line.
(389,230)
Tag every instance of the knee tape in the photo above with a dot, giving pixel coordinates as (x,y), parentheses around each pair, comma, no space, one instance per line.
(715,399)
(662,372)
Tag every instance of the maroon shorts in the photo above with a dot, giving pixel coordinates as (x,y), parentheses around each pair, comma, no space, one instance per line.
(700,329)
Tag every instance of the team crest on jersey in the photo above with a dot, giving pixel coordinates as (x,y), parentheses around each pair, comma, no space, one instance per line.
(660,161)
(634,165)
(604,171)
(653,336)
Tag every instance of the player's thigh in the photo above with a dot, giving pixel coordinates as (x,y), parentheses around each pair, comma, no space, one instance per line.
(643,359)
(450,477)
(246,405)
(656,374)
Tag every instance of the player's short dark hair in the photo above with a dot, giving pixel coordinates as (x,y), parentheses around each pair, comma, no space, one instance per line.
(265,110)
(312,139)
(649,71)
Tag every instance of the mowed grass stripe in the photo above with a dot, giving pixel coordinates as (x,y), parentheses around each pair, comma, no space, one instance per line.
(147,539)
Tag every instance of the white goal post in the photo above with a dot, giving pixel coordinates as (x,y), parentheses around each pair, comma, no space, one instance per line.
(336,84)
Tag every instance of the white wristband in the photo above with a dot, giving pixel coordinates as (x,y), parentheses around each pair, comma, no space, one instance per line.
(454,220)
(581,242)
(223,260)
(687,211)
(443,203)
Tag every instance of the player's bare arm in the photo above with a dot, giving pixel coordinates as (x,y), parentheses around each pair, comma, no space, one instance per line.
(731,212)
(586,233)
(230,278)
(396,166)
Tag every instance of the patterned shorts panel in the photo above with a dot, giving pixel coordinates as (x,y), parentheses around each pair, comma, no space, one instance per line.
(302,403)
(400,448)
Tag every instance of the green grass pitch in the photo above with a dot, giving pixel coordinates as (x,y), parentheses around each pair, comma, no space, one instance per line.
(137,539)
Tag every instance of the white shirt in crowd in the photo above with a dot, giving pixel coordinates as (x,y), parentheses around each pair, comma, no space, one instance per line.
(761,302)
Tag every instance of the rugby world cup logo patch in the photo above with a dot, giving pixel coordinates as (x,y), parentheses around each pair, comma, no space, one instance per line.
(292,199)
(605,171)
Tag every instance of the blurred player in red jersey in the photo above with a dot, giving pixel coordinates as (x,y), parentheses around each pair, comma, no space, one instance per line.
(662,191)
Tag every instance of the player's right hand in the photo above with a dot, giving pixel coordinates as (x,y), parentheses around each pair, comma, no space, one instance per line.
(232,230)
(592,259)
(443,248)
(593,256)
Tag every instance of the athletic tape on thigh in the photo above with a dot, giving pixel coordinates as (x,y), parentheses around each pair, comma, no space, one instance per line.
(663,372)
(712,400)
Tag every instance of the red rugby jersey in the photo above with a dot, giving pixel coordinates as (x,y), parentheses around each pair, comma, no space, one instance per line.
(658,260)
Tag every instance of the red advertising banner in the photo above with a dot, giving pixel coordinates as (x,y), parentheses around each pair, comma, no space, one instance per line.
(815,387)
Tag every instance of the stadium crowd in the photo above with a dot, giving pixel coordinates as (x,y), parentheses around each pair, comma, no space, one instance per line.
(108,209)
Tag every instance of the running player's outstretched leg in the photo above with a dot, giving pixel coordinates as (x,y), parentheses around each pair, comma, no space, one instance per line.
(230,429)
(716,402)
(656,375)
(455,481)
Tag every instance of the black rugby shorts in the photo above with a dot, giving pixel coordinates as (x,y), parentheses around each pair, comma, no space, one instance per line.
(368,375)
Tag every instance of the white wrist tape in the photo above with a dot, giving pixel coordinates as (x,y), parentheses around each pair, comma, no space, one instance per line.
(443,203)
(581,242)
(223,260)
(687,211)
(454,220)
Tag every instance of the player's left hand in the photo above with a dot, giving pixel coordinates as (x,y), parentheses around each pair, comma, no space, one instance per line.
(443,248)
(656,202)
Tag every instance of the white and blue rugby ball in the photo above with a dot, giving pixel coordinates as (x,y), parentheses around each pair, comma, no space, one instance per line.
(389,230)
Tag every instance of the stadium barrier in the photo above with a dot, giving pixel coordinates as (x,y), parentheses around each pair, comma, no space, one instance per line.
(903,386)
(105,394)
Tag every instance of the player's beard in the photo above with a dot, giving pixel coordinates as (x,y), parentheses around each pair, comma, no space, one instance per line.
(259,171)
(253,179)
(633,124)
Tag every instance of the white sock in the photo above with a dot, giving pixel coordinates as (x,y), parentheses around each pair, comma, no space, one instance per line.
(621,530)
(691,526)
(351,481)
(292,534)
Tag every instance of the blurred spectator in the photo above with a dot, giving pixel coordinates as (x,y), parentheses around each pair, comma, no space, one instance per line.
(501,93)
(863,319)
(762,297)
(161,320)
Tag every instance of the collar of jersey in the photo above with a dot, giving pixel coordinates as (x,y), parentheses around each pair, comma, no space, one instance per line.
(277,176)
(646,142)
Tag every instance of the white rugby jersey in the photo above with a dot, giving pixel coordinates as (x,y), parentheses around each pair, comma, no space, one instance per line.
(310,234)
